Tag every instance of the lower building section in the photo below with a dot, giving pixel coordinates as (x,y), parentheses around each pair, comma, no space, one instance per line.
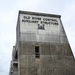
(55,66)
(45,59)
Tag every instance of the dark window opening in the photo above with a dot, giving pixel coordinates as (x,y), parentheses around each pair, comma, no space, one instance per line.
(15,66)
(16,55)
(37,55)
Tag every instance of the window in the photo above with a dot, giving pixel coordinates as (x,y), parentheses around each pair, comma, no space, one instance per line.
(16,55)
(37,55)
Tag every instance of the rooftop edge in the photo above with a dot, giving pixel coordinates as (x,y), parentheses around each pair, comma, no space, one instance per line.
(39,14)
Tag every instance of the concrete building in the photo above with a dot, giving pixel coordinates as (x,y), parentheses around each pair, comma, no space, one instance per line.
(42,47)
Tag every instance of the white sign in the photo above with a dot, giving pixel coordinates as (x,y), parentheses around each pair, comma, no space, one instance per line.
(39,20)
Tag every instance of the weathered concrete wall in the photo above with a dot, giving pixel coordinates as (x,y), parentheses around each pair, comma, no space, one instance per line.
(56,57)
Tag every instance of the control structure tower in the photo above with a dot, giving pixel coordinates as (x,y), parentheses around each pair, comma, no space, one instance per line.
(42,47)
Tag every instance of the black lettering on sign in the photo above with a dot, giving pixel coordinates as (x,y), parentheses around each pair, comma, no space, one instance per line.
(47,19)
(26,17)
(36,18)
(29,21)
(42,21)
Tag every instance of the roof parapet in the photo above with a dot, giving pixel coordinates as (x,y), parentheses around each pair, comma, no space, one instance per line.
(39,14)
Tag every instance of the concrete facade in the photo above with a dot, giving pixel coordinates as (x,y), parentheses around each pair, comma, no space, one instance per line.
(42,47)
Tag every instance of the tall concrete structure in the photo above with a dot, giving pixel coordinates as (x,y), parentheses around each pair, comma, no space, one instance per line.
(42,47)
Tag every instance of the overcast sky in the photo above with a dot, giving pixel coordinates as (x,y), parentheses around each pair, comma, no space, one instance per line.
(8,20)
